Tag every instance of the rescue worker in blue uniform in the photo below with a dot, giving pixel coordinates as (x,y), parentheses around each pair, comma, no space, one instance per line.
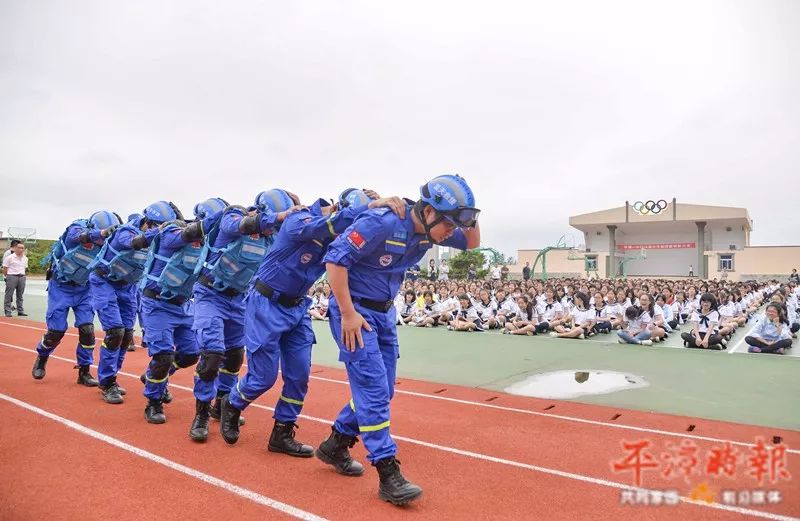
(236,246)
(173,265)
(68,288)
(132,346)
(365,267)
(278,328)
(117,269)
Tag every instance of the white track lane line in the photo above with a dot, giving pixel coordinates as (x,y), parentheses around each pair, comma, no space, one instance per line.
(155,458)
(502,461)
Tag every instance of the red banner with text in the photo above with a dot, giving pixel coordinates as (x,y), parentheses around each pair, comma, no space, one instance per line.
(663,246)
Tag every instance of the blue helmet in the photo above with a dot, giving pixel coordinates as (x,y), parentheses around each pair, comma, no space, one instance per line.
(161,212)
(452,198)
(276,200)
(136,219)
(353,197)
(209,207)
(103,219)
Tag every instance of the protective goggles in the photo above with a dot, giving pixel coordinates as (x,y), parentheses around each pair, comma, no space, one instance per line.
(462,217)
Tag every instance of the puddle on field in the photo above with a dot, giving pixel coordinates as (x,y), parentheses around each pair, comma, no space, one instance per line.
(572,384)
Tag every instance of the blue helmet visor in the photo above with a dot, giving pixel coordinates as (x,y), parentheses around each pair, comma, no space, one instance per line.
(462,217)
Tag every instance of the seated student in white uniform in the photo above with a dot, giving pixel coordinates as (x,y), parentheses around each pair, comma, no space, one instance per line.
(705,322)
(550,313)
(727,314)
(666,313)
(487,310)
(524,323)
(653,316)
(677,307)
(467,317)
(406,309)
(741,312)
(506,308)
(636,329)
(602,324)
(611,314)
(425,314)
(447,307)
(319,305)
(771,334)
(583,319)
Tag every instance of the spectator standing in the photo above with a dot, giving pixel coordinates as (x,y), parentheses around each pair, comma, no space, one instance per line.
(504,272)
(794,277)
(691,270)
(444,270)
(495,272)
(432,274)
(15,266)
(526,272)
(472,273)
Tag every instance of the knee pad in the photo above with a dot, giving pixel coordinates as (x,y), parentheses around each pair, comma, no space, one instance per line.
(86,334)
(52,338)
(160,364)
(127,338)
(114,338)
(795,327)
(234,358)
(208,367)
(184,361)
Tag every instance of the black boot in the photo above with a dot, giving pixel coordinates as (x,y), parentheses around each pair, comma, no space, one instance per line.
(394,488)
(229,421)
(154,412)
(167,396)
(199,428)
(214,411)
(282,440)
(85,377)
(111,392)
(334,451)
(39,365)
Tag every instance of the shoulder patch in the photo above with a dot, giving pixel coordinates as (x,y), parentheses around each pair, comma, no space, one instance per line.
(381,211)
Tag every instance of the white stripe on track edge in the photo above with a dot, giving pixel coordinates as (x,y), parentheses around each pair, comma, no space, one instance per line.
(501,461)
(155,458)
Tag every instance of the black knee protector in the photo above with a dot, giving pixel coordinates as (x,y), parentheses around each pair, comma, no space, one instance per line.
(52,338)
(114,338)
(86,334)
(184,361)
(234,358)
(208,367)
(160,364)
(795,327)
(127,339)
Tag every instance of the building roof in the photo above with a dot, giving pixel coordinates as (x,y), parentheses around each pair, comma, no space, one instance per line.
(673,212)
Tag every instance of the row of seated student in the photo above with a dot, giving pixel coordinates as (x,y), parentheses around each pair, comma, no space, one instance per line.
(644,311)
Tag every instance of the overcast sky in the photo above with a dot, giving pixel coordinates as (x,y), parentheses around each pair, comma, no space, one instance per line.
(548,109)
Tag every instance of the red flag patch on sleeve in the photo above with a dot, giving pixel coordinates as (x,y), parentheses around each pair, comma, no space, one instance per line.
(356,240)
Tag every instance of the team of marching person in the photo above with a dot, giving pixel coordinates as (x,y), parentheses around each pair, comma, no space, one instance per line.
(232,283)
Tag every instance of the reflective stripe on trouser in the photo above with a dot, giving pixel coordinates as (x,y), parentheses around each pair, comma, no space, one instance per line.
(168,329)
(276,336)
(60,299)
(116,308)
(371,376)
(218,326)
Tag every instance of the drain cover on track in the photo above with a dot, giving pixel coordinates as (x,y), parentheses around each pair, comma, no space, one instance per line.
(571,384)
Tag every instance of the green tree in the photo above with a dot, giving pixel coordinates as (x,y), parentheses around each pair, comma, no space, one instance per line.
(459,265)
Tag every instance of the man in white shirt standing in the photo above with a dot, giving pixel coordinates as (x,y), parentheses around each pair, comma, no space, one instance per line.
(444,270)
(14,268)
(495,272)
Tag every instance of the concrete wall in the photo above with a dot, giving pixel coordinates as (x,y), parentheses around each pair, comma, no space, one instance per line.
(758,262)
(718,238)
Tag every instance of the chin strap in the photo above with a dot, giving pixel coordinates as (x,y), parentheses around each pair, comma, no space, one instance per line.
(418,208)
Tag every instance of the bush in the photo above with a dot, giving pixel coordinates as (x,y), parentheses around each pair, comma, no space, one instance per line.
(459,265)
(37,252)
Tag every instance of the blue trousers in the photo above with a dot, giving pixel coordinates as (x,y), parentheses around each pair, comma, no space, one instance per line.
(219,328)
(115,305)
(60,299)
(276,336)
(168,329)
(371,371)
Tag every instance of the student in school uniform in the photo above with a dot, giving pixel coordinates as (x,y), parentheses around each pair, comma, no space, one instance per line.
(550,313)
(506,308)
(447,307)
(666,311)
(653,316)
(677,309)
(582,320)
(771,334)
(405,312)
(727,315)
(602,315)
(487,309)
(636,328)
(467,317)
(425,315)
(524,323)
(705,322)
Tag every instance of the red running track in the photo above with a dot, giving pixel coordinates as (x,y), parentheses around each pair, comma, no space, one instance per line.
(478,454)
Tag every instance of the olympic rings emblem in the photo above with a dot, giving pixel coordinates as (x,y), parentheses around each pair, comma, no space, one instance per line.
(650,207)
